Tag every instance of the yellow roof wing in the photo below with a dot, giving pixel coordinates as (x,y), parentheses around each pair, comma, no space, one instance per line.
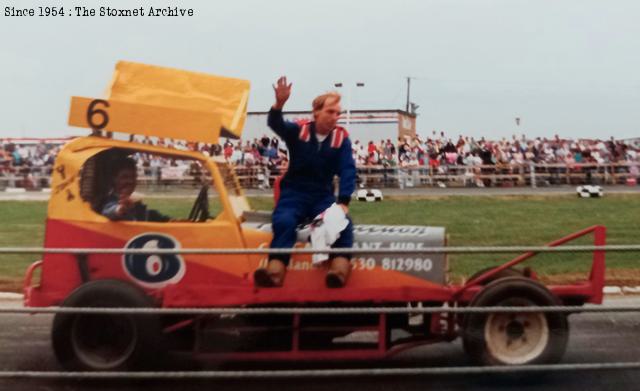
(165,102)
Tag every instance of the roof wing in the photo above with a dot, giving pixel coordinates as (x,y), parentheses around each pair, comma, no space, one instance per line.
(165,102)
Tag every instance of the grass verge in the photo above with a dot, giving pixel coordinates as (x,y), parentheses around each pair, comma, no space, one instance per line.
(470,221)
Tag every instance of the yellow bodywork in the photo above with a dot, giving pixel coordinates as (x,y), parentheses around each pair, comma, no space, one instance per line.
(222,231)
(164,103)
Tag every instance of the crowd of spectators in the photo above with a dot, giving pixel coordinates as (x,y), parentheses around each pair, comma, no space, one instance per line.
(37,155)
(262,158)
(28,165)
(263,152)
(441,155)
(436,153)
(439,150)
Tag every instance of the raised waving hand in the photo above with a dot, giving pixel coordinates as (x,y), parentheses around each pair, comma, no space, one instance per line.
(282,91)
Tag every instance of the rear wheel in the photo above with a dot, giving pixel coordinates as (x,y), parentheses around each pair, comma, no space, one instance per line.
(515,338)
(107,342)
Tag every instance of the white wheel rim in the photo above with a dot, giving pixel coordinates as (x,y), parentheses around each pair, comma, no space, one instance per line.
(516,338)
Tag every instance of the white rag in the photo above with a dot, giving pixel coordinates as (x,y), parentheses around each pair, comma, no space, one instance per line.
(325,230)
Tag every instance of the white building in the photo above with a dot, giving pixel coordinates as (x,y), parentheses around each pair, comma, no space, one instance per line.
(364,125)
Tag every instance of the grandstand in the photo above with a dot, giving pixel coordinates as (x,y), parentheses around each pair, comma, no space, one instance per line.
(409,162)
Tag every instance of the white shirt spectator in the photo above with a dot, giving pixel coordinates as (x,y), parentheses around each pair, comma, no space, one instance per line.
(236,156)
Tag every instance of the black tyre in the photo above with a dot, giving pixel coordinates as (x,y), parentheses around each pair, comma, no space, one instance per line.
(515,338)
(107,342)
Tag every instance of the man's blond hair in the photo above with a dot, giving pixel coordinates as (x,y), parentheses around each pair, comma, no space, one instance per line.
(319,102)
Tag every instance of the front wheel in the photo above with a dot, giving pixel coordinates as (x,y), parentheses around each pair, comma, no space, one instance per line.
(107,342)
(515,338)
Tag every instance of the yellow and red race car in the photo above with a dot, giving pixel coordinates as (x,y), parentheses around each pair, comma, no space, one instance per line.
(163,103)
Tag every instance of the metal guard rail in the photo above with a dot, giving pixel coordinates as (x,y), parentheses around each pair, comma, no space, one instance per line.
(323,373)
(431,250)
(317,310)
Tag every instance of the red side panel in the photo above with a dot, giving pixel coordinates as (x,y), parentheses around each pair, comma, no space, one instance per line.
(61,273)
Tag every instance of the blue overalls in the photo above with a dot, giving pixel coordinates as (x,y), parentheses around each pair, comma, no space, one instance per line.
(307,188)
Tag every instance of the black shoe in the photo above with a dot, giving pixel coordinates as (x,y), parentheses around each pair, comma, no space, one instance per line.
(262,278)
(334,280)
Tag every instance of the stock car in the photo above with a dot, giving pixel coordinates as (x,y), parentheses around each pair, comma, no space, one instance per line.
(162,103)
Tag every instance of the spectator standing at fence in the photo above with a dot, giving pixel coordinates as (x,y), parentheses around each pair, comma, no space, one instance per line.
(363,156)
(4,156)
(249,154)
(227,151)
(318,151)
(237,157)
(263,145)
(16,157)
(371,148)
(271,152)
(403,151)
(381,147)
(354,150)
(5,160)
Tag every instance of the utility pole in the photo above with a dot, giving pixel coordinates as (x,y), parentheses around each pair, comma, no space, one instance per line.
(408,93)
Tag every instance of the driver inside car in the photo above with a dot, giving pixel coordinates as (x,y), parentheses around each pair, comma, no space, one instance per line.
(119,203)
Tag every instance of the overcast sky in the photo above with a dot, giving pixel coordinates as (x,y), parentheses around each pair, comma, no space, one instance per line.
(563,66)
